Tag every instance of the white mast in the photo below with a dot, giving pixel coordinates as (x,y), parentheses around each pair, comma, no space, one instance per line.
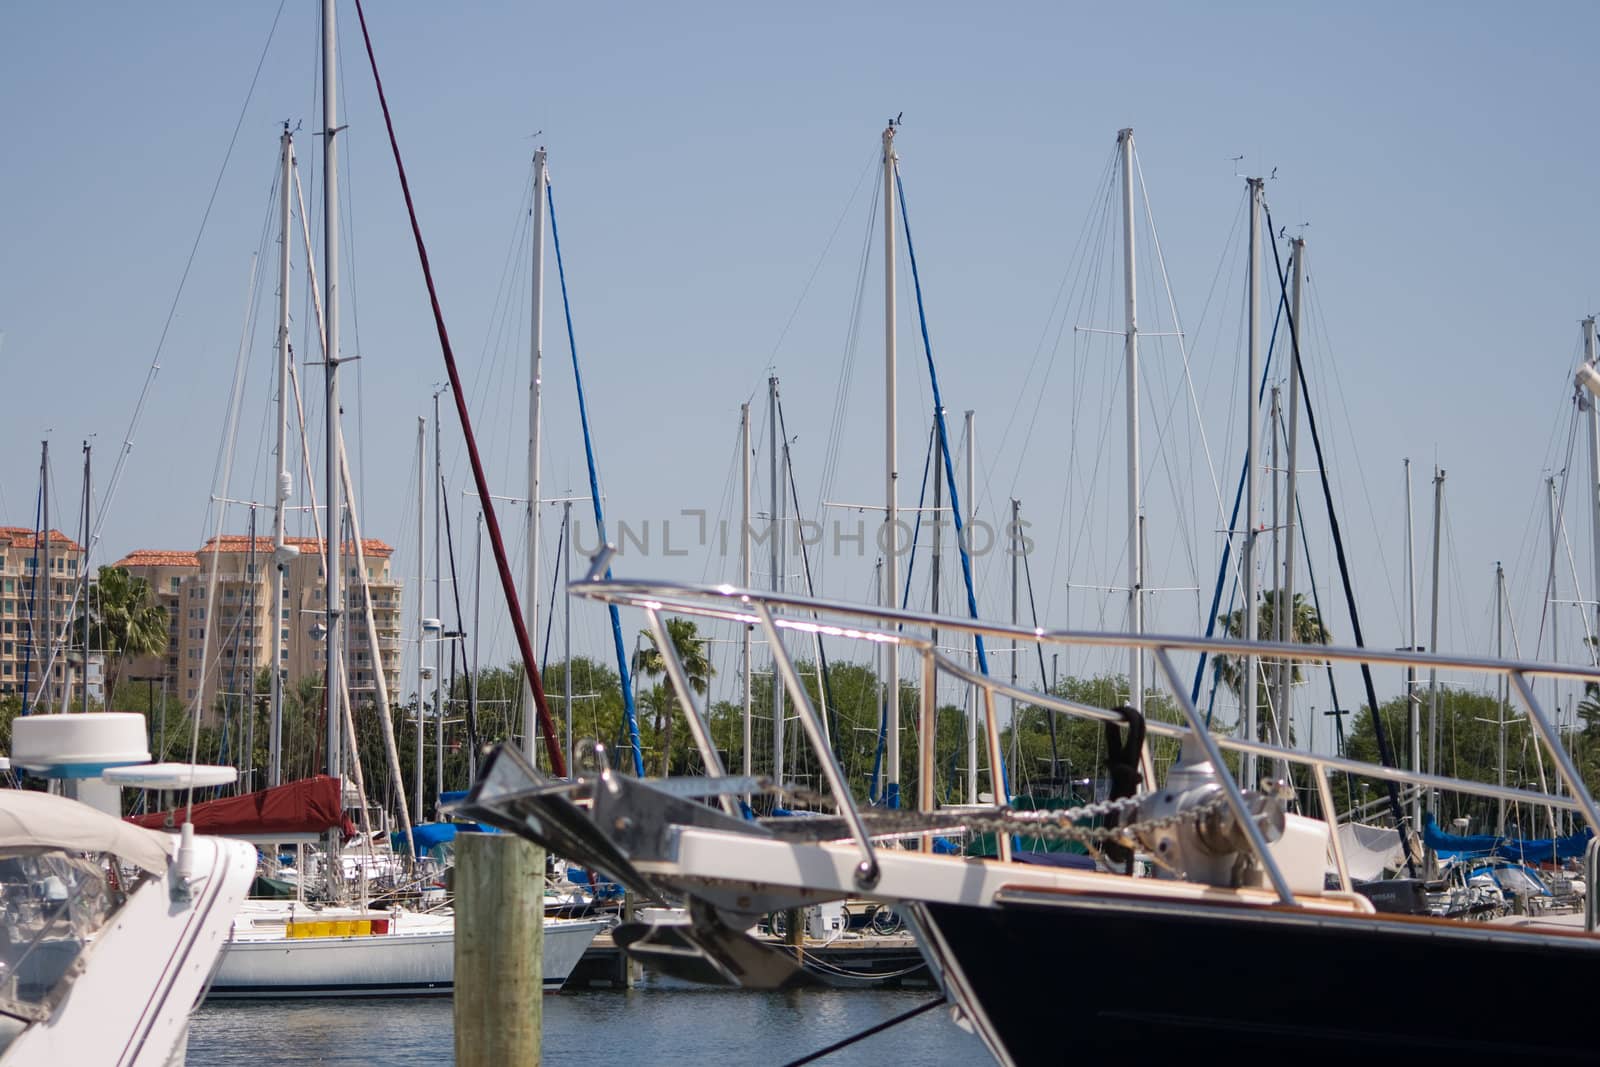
(1433,636)
(891,518)
(438,612)
(1413,704)
(1274,678)
(283,481)
(422,555)
(744,567)
(1553,591)
(1011,702)
(330,301)
(775,542)
(1584,396)
(530,600)
(566,626)
(477,619)
(1247,553)
(1500,683)
(972,710)
(1135,549)
(1286,591)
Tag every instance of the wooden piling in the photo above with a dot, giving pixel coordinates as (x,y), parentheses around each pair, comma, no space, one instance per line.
(499,950)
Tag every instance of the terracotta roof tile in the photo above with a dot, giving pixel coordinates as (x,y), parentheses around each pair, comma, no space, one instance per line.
(308,545)
(24,537)
(158,557)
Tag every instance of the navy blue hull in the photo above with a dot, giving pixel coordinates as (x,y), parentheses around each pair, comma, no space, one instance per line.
(1062,976)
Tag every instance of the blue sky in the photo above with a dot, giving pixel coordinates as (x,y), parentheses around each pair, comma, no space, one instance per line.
(711,169)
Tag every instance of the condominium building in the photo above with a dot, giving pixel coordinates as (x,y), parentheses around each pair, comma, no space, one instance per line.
(24,606)
(223,648)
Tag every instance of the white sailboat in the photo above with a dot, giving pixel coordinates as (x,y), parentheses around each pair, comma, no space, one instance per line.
(295,949)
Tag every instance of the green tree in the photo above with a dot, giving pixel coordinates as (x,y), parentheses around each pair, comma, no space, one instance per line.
(661,700)
(125,621)
(1306,627)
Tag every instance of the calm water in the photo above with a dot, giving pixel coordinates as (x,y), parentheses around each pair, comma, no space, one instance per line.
(672,1024)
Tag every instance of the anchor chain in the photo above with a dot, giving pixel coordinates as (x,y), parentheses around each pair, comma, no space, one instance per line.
(1049,825)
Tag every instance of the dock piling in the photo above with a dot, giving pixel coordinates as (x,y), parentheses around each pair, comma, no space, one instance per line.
(499,950)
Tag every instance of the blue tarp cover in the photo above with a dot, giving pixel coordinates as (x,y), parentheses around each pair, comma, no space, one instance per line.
(1532,850)
(430,835)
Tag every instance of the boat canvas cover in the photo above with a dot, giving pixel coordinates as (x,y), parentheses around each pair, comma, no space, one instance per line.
(1370,850)
(41,822)
(1533,850)
(309,806)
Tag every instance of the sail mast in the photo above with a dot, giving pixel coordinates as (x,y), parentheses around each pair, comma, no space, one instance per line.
(1413,705)
(330,301)
(1433,638)
(1500,695)
(972,710)
(88,498)
(438,613)
(530,602)
(1131,346)
(775,541)
(1589,356)
(1247,553)
(283,481)
(890,542)
(1291,493)
(744,568)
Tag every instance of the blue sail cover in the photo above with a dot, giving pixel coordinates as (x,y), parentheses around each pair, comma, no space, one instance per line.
(1530,850)
(431,835)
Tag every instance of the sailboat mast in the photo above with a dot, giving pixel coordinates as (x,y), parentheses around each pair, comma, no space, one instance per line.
(438,611)
(477,617)
(45,664)
(775,543)
(422,650)
(1016,557)
(334,527)
(1553,591)
(1433,637)
(1589,355)
(972,708)
(1286,589)
(745,570)
(88,497)
(1500,683)
(890,542)
(283,481)
(1274,678)
(1413,705)
(566,626)
(1247,552)
(1131,344)
(530,602)
(938,528)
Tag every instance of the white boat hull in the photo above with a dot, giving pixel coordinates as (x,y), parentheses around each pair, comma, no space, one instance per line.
(403,963)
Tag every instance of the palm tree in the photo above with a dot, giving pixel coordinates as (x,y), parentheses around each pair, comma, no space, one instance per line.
(691,649)
(1307,628)
(124,621)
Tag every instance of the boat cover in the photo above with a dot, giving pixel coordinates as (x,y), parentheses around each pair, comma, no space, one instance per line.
(1531,850)
(1370,850)
(309,806)
(38,821)
(430,835)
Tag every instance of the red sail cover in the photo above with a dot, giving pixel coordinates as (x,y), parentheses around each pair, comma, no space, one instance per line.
(309,806)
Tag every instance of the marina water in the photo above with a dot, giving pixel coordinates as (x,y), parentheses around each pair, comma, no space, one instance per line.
(674,1023)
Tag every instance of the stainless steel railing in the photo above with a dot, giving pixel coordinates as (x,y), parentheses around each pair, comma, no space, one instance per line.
(776,612)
